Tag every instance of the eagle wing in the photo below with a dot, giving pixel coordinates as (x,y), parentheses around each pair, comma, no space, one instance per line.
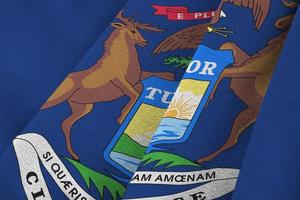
(188,38)
(260,9)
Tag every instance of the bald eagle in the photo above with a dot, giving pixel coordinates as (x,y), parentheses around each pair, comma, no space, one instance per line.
(189,38)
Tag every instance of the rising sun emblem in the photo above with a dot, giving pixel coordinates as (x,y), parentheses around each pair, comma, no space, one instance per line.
(186,99)
(181,108)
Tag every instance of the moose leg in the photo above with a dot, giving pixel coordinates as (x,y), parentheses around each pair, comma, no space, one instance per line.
(212,94)
(242,121)
(163,75)
(240,57)
(78,111)
(245,89)
(129,91)
(232,72)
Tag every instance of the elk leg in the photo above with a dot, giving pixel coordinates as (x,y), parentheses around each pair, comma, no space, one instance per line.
(242,121)
(163,75)
(78,111)
(61,94)
(138,87)
(129,91)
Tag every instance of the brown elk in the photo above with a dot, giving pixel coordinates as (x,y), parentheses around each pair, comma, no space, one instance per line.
(115,74)
(250,77)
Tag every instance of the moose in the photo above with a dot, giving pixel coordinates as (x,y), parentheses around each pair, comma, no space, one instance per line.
(250,77)
(117,73)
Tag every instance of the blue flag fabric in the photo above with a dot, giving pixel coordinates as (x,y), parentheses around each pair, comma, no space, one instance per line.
(271,166)
(210,118)
(41,42)
(90,135)
(162,107)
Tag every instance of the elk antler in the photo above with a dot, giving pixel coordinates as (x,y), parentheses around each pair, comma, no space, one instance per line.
(290,4)
(129,21)
(124,19)
(148,27)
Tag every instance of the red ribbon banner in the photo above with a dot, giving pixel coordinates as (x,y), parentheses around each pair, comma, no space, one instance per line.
(181,13)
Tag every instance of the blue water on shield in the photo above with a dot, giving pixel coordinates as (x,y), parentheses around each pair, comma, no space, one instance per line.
(170,129)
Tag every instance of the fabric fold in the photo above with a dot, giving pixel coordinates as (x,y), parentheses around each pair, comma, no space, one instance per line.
(210,118)
(41,42)
(270,169)
(91,133)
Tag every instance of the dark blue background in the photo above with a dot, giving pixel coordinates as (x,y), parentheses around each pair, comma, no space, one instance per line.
(41,41)
(92,134)
(214,125)
(271,166)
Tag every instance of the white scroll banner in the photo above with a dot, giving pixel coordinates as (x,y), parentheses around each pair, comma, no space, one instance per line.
(208,191)
(183,178)
(31,148)
(219,182)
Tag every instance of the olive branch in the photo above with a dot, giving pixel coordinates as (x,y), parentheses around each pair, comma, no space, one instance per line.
(178,61)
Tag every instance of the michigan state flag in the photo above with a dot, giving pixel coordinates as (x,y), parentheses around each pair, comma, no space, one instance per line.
(166,105)
(89,136)
(41,42)
(198,148)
